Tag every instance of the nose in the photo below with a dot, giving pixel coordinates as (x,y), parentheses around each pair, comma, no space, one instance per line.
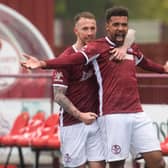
(120,27)
(90,32)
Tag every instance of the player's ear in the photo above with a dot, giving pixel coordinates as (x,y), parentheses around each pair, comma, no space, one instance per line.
(106,27)
(75,30)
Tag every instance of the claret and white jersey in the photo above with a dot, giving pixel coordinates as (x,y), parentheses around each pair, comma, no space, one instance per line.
(118,94)
(80,143)
(118,89)
(81,84)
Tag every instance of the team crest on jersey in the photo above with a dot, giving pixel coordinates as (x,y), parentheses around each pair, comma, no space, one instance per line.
(58,77)
(67,158)
(116,149)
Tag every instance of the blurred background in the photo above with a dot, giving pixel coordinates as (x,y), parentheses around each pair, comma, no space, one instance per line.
(149,18)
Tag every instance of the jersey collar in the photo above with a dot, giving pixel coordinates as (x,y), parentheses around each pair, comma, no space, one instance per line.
(109,41)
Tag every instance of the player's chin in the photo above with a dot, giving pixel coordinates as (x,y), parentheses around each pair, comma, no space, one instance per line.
(90,39)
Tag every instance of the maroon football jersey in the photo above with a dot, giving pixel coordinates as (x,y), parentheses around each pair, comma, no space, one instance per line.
(118,89)
(81,84)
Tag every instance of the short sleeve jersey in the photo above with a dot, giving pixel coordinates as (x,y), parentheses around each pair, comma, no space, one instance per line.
(81,84)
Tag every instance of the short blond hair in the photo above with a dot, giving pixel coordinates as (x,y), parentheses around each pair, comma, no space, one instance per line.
(84,14)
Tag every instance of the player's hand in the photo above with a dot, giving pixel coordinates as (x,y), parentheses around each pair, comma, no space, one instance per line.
(87,117)
(30,62)
(118,54)
(166,67)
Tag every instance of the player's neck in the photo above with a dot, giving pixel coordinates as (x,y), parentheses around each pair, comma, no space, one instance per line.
(78,45)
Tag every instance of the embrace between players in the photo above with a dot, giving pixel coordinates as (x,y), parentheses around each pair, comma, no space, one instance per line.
(95,83)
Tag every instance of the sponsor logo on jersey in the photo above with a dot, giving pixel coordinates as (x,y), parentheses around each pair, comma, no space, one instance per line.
(67,158)
(58,77)
(86,75)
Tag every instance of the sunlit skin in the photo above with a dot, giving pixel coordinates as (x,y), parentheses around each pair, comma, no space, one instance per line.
(85,30)
(117,29)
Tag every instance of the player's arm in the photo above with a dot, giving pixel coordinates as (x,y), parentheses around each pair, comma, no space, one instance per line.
(59,62)
(31,62)
(150,65)
(146,63)
(119,53)
(67,105)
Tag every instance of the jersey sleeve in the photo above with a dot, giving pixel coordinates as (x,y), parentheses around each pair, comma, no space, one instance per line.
(138,55)
(60,78)
(149,65)
(144,62)
(61,62)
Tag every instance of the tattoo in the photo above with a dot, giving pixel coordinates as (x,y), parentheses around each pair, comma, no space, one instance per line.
(64,102)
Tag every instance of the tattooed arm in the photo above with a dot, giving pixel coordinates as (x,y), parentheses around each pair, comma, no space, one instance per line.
(63,101)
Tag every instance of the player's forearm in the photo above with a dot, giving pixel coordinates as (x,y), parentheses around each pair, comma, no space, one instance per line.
(61,62)
(64,102)
(129,39)
(67,105)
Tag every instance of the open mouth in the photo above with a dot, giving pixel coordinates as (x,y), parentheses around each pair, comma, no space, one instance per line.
(120,37)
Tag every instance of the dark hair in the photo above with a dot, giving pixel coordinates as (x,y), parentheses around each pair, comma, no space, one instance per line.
(115,11)
(84,14)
